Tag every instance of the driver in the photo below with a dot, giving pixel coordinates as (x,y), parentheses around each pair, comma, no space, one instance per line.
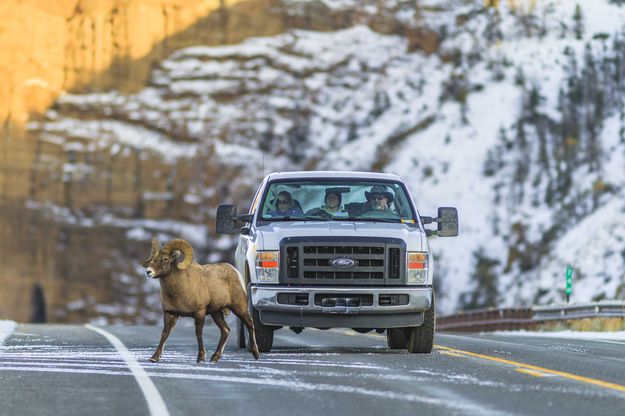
(378,199)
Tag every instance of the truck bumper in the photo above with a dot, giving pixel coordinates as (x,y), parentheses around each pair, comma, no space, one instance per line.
(336,307)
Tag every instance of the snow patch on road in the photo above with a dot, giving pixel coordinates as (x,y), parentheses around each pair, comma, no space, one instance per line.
(6,329)
(619,335)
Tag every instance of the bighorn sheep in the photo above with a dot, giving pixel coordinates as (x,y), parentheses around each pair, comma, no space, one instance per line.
(191,289)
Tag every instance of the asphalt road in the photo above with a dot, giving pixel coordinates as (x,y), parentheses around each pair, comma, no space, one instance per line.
(75,370)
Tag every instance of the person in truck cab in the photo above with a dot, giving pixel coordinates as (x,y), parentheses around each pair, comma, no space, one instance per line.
(285,207)
(332,207)
(378,199)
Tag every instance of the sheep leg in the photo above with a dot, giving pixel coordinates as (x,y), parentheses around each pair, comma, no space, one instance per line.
(245,317)
(199,327)
(220,321)
(169,320)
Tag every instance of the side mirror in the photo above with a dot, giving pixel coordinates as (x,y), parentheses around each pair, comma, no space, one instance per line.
(227,219)
(246,218)
(447,222)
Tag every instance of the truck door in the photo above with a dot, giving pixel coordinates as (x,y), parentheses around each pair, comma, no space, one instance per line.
(245,240)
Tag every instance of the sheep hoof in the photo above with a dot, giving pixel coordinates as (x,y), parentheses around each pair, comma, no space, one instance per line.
(214,358)
(154,359)
(256,354)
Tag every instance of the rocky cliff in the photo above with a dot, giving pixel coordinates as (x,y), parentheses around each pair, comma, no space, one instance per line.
(48,47)
(75,212)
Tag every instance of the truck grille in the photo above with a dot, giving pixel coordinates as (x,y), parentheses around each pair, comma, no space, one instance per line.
(356,261)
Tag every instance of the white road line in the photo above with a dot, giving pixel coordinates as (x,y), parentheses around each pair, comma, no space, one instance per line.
(152,396)
(608,341)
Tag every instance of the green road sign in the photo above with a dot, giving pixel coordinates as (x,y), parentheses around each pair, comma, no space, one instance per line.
(569,280)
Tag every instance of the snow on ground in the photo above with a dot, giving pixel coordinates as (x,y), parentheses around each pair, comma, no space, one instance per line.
(598,263)
(443,167)
(616,336)
(105,133)
(6,328)
(138,229)
(443,164)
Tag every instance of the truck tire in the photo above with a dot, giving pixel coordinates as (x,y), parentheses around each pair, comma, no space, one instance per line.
(264,333)
(420,339)
(395,338)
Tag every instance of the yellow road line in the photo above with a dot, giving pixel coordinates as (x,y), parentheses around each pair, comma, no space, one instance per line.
(531,372)
(452,354)
(522,367)
(582,379)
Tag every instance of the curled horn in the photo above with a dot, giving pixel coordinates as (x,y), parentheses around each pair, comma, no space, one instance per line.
(185,248)
(156,246)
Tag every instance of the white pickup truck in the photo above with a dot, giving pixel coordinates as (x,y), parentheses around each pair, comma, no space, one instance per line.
(337,249)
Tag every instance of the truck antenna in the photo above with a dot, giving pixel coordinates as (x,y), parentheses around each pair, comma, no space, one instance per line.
(263,168)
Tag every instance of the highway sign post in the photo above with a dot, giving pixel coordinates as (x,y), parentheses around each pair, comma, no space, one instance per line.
(569,283)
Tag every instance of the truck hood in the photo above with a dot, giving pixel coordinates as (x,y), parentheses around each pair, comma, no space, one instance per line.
(273,233)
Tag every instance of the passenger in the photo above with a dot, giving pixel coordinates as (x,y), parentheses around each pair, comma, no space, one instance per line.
(379,199)
(285,206)
(332,207)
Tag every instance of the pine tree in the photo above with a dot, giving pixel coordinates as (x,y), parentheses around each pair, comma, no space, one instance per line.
(381,103)
(267,137)
(297,135)
(522,164)
(578,26)
(621,130)
(592,105)
(492,31)
(484,280)
(494,157)
(352,131)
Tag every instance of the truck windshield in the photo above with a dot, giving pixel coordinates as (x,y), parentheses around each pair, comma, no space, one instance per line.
(325,200)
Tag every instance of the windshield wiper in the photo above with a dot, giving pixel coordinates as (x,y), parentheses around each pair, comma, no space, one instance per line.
(394,221)
(296,218)
(366,219)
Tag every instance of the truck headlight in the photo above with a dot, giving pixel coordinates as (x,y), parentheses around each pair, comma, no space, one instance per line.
(416,267)
(267,263)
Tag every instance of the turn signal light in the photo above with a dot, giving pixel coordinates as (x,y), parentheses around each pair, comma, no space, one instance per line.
(267,266)
(417,265)
(268,255)
(417,260)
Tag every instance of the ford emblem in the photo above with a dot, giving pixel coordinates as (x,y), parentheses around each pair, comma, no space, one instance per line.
(343,262)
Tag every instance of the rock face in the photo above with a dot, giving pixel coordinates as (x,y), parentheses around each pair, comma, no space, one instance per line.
(86,180)
(48,47)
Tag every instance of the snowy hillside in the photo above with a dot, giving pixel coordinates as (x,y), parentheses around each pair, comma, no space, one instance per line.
(517,119)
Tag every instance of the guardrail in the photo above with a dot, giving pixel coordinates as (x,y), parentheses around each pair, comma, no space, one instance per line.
(487,320)
(584,310)
(493,319)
